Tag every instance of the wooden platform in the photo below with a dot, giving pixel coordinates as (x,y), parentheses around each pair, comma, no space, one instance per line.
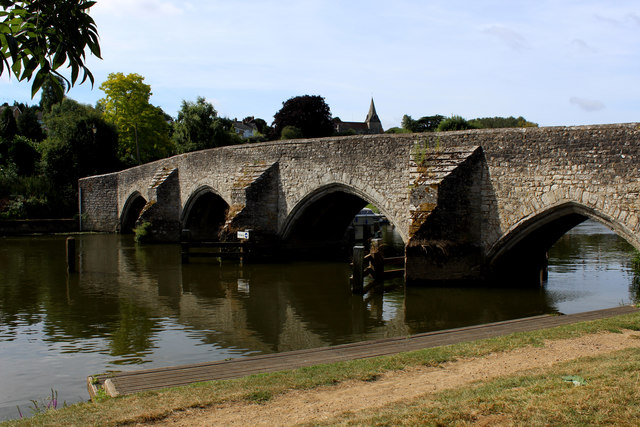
(152,379)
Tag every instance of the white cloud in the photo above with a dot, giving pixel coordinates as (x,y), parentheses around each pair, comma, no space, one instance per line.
(511,38)
(142,8)
(418,58)
(634,18)
(580,46)
(587,104)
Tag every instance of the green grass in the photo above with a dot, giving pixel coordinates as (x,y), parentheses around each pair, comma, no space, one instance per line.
(156,405)
(609,396)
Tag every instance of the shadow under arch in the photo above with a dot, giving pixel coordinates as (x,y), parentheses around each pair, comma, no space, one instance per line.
(317,226)
(522,252)
(131,212)
(204,214)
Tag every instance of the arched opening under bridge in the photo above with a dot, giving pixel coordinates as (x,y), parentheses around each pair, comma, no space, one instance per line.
(204,215)
(521,257)
(131,212)
(330,221)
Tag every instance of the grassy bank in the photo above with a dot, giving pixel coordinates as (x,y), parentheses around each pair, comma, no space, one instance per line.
(507,396)
(606,392)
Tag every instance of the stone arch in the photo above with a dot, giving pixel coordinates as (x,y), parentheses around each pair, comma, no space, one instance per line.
(204,214)
(522,249)
(318,222)
(131,212)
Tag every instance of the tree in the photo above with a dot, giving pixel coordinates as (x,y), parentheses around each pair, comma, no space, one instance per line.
(193,129)
(261,124)
(23,154)
(455,123)
(423,124)
(308,113)
(8,125)
(80,143)
(291,132)
(397,130)
(502,122)
(143,131)
(41,36)
(198,127)
(50,95)
(29,125)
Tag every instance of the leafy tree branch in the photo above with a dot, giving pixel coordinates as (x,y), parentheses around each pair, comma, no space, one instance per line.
(39,37)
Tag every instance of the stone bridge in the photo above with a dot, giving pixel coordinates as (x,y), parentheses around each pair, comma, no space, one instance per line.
(469,205)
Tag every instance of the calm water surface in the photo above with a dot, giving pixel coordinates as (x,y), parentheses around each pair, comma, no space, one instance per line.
(132,307)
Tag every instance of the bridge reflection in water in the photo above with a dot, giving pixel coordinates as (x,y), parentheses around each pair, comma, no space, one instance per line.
(139,305)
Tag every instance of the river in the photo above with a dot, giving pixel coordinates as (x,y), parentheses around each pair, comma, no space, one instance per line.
(132,307)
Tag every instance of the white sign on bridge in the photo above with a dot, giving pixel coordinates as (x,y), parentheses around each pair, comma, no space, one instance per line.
(243,235)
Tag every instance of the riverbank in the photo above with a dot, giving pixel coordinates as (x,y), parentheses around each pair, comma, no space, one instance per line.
(504,380)
(21,227)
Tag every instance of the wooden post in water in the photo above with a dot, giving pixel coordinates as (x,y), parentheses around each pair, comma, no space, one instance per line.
(357,279)
(377,260)
(71,254)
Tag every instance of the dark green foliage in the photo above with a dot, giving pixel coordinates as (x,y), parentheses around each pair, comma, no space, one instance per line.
(423,124)
(455,123)
(50,95)
(433,123)
(397,130)
(24,196)
(291,132)
(24,155)
(502,122)
(8,125)
(80,144)
(28,124)
(347,132)
(262,126)
(310,114)
(223,133)
(198,127)
(39,37)
(141,232)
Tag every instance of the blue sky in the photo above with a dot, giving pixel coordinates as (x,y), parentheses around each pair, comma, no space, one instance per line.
(555,62)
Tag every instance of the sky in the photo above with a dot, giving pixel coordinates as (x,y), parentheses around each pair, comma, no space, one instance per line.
(557,63)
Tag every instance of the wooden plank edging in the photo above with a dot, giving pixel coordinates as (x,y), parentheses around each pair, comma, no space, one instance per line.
(156,378)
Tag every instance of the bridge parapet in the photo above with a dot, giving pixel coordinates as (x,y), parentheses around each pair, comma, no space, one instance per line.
(486,192)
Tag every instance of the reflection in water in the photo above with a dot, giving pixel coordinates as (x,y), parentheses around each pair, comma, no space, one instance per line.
(130,306)
(590,268)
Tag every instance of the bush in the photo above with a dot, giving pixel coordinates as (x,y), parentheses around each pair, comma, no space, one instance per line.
(635,261)
(397,130)
(291,132)
(455,123)
(141,232)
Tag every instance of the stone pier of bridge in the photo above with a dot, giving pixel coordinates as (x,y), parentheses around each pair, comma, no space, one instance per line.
(477,205)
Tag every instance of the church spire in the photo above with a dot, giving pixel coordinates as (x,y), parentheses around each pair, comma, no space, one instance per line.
(372,116)
(373,121)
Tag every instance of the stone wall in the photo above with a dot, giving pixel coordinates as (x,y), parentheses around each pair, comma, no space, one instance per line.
(99,202)
(506,184)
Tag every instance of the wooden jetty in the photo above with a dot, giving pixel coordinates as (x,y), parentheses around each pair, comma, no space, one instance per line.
(123,383)
(222,250)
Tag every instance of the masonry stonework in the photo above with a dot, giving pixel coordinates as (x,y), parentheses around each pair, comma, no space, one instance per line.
(465,203)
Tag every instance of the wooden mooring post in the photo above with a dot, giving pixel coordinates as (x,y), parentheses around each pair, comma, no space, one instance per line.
(357,279)
(373,264)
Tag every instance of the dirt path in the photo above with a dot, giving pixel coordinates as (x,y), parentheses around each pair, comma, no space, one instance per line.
(327,402)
